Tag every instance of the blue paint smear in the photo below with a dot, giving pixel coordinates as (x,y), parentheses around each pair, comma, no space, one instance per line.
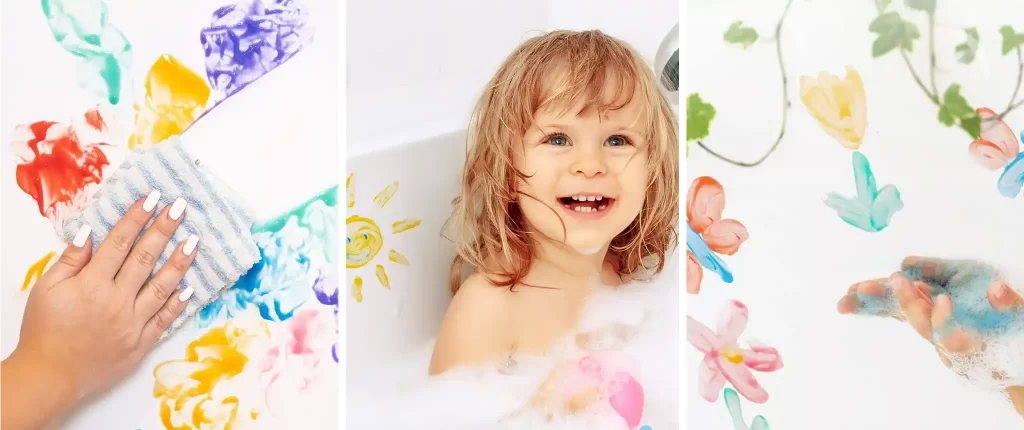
(245,41)
(732,403)
(1011,182)
(872,209)
(705,255)
(291,255)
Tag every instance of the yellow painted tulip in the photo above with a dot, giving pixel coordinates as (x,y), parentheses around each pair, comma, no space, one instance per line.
(839,105)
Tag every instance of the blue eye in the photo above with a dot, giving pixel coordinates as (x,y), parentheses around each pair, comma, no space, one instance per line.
(558,140)
(617,141)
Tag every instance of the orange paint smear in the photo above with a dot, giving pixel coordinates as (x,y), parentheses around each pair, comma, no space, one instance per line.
(175,96)
(55,166)
(185,387)
(35,271)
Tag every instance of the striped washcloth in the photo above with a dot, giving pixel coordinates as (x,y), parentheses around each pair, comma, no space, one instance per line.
(215,213)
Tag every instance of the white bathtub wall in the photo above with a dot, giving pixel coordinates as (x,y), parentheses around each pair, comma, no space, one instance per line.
(847,372)
(416,68)
(390,322)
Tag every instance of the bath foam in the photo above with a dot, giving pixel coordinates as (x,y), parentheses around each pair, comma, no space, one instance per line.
(215,213)
(639,319)
(1001,362)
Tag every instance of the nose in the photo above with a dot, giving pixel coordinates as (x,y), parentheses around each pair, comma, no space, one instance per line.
(589,163)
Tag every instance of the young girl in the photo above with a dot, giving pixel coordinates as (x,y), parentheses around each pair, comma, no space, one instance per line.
(571,181)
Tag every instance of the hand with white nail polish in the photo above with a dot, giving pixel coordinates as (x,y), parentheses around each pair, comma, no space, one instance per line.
(90,318)
(922,294)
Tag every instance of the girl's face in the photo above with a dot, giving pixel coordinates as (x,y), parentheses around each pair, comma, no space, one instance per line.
(588,170)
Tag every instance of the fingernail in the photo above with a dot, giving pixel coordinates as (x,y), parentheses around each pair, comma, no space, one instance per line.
(185,294)
(177,209)
(190,244)
(82,236)
(151,201)
(1001,291)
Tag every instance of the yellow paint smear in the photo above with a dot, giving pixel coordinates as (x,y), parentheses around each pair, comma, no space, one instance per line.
(404,225)
(350,190)
(386,194)
(357,289)
(175,96)
(185,387)
(397,258)
(382,276)
(35,271)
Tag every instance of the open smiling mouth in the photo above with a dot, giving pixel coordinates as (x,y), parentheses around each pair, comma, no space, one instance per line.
(586,203)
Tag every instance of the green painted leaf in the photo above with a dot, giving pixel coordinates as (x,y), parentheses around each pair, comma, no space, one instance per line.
(884,4)
(922,5)
(968,50)
(737,34)
(1011,39)
(945,117)
(972,125)
(698,117)
(955,103)
(893,32)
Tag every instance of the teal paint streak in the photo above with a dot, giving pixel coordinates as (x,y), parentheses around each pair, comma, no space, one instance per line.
(317,215)
(81,27)
(873,208)
(732,403)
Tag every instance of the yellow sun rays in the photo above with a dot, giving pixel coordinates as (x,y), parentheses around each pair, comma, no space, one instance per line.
(35,271)
(365,240)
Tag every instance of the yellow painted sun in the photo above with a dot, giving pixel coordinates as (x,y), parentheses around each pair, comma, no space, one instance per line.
(365,240)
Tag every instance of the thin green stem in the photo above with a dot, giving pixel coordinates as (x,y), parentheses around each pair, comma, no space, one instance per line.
(777,37)
(1014,103)
(933,96)
(931,51)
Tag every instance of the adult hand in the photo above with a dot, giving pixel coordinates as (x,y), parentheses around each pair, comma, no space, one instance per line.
(90,318)
(928,317)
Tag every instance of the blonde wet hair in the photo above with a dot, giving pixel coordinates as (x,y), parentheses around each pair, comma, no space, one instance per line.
(486,225)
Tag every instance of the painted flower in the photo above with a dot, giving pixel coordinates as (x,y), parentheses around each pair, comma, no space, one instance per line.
(724,360)
(708,233)
(997,144)
(839,105)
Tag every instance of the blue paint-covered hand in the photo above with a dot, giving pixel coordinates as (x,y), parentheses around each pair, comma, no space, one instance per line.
(872,208)
(966,309)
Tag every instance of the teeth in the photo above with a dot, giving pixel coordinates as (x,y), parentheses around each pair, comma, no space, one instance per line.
(584,209)
(599,198)
(587,198)
(601,208)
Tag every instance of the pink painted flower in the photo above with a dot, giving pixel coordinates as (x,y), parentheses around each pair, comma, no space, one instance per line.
(997,144)
(724,360)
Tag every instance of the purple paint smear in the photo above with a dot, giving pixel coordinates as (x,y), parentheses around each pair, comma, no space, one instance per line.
(247,40)
(325,288)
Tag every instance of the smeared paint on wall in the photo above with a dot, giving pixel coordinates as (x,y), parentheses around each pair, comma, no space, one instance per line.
(189,389)
(35,271)
(293,246)
(872,208)
(246,40)
(175,96)
(60,163)
(707,233)
(364,238)
(998,148)
(82,28)
(325,289)
(292,364)
(839,105)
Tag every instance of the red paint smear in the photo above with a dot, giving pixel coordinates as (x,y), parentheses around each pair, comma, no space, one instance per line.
(60,167)
(94,119)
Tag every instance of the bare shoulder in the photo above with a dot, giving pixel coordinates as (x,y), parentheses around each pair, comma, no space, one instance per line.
(475,328)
